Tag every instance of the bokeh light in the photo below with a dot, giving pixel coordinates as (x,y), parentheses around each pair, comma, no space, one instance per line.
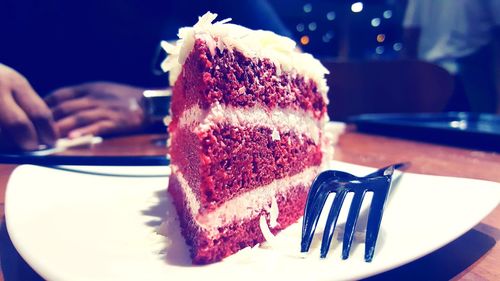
(381,38)
(304,40)
(300,27)
(387,14)
(312,26)
(307,8)
(357,7)
(330,15)
(397,46)
(327,37)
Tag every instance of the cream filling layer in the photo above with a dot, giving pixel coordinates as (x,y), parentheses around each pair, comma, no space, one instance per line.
(244,206)
(285,120)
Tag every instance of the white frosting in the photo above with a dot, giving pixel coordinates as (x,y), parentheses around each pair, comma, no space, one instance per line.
(266,232)
(247,205)
(280,50)
(285,120)
(274,213)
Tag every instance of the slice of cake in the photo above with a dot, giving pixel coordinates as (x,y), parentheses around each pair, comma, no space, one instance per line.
(246,134)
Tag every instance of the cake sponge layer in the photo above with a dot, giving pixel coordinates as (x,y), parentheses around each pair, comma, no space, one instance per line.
(226,161)
(233,237)
(230,78)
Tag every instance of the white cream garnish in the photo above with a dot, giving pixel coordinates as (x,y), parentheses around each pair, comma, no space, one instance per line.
(280,50)
(275,135)
(274,212)
(264,228)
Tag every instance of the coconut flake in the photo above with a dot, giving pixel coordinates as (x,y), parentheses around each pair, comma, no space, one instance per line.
(264,228)
(274,213)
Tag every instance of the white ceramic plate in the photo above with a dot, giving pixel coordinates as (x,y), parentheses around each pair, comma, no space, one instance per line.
(71,226)
(125,171)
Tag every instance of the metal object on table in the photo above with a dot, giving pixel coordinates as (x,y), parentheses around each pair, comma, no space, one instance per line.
(462,129)
(157,104)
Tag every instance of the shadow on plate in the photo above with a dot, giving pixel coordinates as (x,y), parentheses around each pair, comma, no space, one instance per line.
(445,263)
(14,267)
(165,222)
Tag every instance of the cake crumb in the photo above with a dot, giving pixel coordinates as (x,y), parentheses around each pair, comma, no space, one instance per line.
(166,120)
(275,135)
(264,228)
(274,213)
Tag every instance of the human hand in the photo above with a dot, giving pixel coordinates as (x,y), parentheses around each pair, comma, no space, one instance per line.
(97,108)
(25,120)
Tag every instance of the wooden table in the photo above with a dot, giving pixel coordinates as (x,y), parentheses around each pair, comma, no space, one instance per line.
(473,256)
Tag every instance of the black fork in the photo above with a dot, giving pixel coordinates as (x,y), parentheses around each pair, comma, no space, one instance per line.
(341,183)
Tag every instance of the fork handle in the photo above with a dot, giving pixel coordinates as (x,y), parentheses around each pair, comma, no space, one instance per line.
(381,171)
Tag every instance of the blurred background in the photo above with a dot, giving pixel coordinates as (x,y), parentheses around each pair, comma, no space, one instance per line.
(384,56)
(402,55)
(346,30)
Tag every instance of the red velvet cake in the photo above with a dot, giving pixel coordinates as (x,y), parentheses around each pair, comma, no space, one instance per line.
(246,134)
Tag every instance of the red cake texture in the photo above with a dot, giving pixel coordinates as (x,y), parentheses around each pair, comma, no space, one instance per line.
(244,135)
(235,236)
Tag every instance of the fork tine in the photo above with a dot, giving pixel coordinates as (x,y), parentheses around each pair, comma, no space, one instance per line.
(314,206)
(316,187)
(375,217)
(332,221)
(352,219)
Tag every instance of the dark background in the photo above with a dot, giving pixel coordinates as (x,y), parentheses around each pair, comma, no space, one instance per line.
(335,31)
(56,43)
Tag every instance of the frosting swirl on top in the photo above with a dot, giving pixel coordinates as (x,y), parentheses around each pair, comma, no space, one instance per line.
(261,44)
